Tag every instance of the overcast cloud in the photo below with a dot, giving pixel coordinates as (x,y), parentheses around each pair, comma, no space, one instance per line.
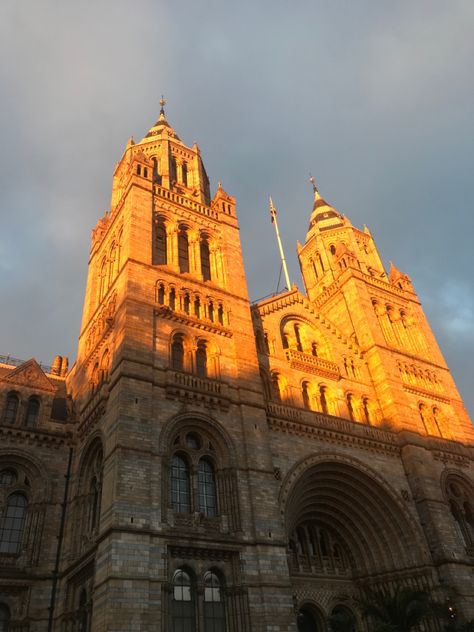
(374,98)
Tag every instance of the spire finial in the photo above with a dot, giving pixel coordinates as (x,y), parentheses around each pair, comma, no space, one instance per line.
(162,105)
(315,188)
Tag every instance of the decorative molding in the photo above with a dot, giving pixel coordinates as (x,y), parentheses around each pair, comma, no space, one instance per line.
(190,388)
(31,375)
(198,323)
(312,364)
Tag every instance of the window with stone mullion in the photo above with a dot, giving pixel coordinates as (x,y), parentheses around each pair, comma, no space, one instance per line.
(12,525)
(180,487)
(207,500)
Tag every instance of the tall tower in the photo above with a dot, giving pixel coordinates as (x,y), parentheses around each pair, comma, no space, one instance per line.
(346,280)
(171,417)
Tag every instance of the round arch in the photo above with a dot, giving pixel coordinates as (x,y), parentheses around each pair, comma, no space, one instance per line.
(196,421)
(347,498)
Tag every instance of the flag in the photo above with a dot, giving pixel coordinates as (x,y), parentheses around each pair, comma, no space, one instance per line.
(273,212)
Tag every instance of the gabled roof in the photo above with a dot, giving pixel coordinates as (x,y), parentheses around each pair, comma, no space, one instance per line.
(29,374)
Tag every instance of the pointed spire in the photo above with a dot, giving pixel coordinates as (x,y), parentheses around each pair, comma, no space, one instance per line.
(162,109)
(315,189)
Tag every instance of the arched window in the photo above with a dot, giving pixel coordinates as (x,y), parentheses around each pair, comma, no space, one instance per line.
(177,353)
(342,619)
(95,492)
(186,303)
(183,612)
(214,614)
(323,399)
(160,295)
(173,170)
(276,387)
(350,406)
(284,341)
(11,408)
(183,250)
(205,259)
(220,315)
(12,524)
(366,409)
(4,618)
(460,500)
(184,174)
(172,299)
(201,359)
(210,311)
(207,498)
(180,493)
(306,395)
(112,256)
(307,622)
(314,349)
(299,345)
(103,279)
(139,170)
(32,412)
(197,307)
(161,257)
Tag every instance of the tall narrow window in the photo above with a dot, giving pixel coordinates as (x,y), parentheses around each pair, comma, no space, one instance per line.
(324,400)
(314,349)
(160,295)
(210,311)
(173,170)
(183,251)
(32,412)
(112,256)
(299,345)
(183,611)
(201,360)
(177,353)
(94,504)
(207,499)
(197,307)
(276,387)
(350,406)
(180,494)
(284,341)
(172,299)
(4,618)
(12,524)
(220,315)
(83,614)
(205,259)
(214,615)
(184,174)
(103,279)
(11,408)
(366,407)
(160,245)
(186,303)
(306,395)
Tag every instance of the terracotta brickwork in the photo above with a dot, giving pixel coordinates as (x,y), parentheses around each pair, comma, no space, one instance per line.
(208,464)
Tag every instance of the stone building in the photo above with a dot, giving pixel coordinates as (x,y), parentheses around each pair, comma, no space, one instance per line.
(209,465)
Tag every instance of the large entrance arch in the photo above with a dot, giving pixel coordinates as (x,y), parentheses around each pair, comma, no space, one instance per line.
(346,526)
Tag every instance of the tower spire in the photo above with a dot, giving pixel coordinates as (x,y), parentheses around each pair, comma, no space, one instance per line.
(162,107)
(315,189)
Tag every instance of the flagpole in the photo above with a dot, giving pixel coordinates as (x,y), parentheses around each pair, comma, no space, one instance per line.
(280,246)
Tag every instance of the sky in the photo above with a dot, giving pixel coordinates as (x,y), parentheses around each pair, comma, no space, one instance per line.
(375,99)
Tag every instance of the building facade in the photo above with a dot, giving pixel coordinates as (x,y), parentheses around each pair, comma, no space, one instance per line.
(209,465)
